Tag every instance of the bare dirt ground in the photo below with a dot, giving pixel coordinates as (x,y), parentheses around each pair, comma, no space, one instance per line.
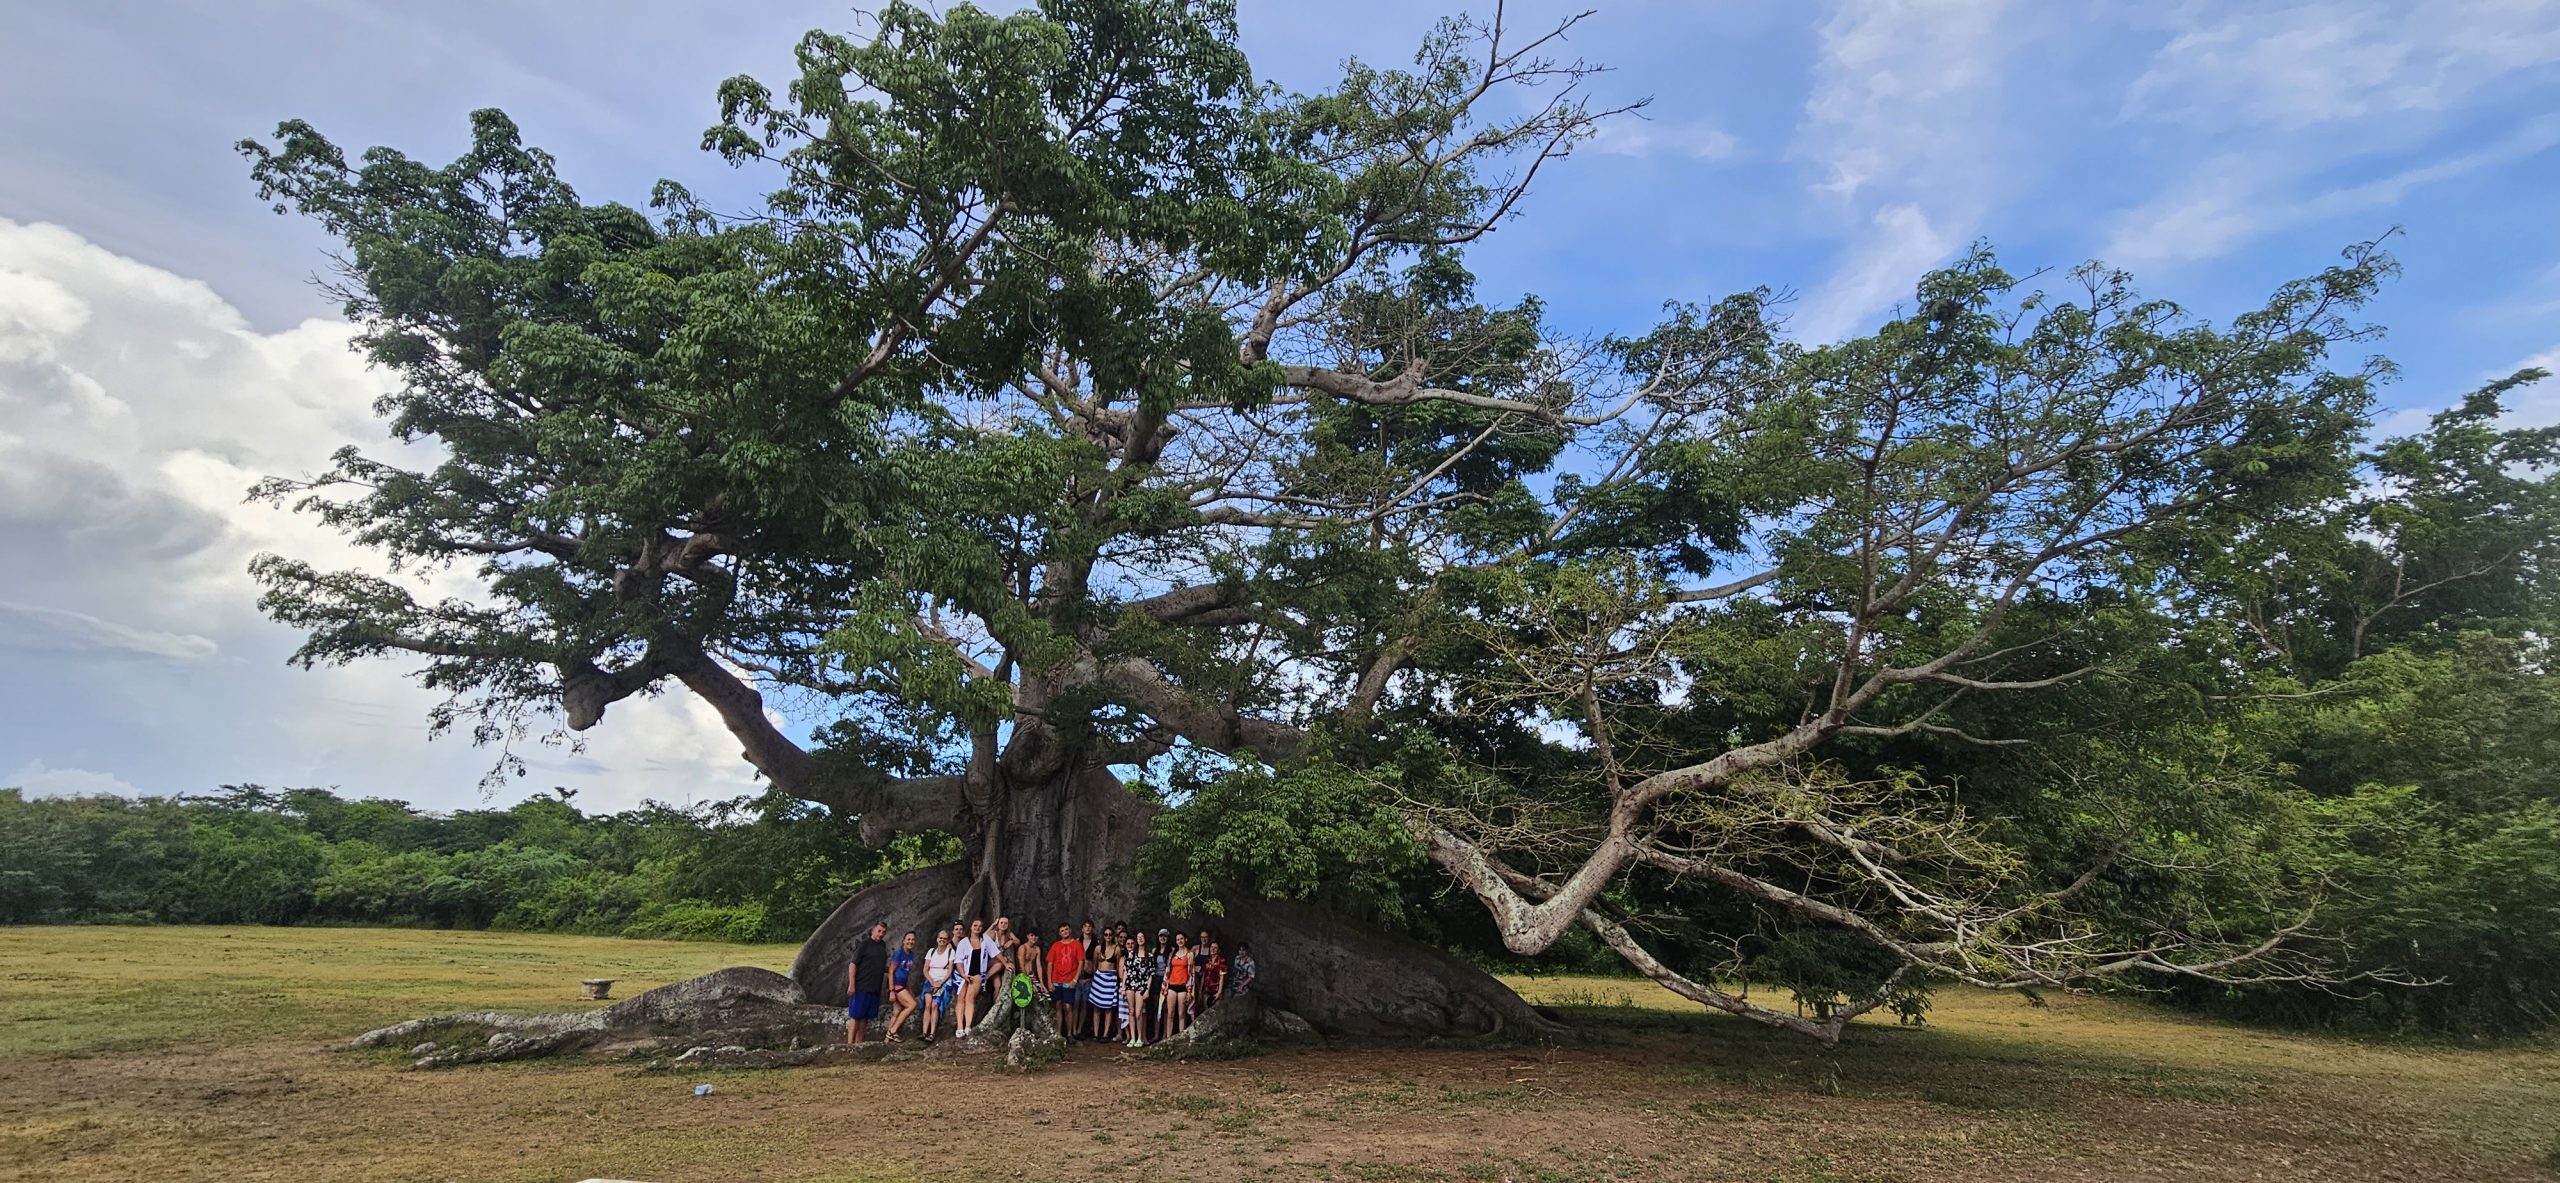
(181,1054)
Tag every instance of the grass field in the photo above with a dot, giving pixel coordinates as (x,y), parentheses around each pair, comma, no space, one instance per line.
(191,1053)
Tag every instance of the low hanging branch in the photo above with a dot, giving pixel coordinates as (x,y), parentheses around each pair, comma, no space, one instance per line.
(1938,902)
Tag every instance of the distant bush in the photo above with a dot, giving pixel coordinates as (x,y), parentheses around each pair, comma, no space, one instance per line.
(753,869)
(699,920)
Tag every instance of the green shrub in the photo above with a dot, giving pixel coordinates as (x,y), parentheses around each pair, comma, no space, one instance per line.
(698,920)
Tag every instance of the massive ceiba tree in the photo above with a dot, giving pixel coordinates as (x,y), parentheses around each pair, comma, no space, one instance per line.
(1074,403)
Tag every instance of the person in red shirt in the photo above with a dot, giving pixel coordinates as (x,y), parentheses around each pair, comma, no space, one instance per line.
(1213,977)
(1066,968)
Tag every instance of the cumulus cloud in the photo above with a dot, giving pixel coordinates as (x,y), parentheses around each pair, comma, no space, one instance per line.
(2537,405)
(136,407)
(42,780)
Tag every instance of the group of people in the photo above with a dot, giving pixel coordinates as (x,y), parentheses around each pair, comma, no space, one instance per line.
(1104,984)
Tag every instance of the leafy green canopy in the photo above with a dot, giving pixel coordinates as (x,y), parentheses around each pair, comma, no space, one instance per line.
(974,439)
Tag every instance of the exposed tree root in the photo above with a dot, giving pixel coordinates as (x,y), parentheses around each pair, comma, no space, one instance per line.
(739,1017)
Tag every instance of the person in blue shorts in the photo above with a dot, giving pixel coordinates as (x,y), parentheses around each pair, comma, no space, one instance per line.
(865,979)
(1066,974)
(902,985)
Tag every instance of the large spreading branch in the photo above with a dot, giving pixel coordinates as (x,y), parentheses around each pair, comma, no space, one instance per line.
(1960,495)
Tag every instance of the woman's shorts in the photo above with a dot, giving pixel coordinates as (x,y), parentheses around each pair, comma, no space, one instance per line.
(864,1005)
(1177,987)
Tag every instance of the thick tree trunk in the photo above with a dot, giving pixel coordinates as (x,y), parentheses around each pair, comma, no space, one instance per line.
(1064,855)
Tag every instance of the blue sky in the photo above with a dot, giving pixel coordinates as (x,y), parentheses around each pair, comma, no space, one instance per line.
(161,343)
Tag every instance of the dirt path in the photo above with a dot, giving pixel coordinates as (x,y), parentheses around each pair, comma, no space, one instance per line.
(279,1112)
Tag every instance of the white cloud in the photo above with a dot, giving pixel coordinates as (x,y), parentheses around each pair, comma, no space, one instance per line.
(2292,94)
(2537,405)
(2237,198)
(1635,136)
(2204,214)
(1882,269)
(1904,128)
(31,628)
(136,407)
(33,308)
(2291,66)
(1898,89)
(41,780)
(2533,405)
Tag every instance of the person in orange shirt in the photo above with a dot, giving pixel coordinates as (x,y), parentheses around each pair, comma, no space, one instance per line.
(1177,989)
(1066,974)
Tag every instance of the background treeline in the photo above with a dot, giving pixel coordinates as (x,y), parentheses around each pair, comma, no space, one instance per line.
(752,869)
